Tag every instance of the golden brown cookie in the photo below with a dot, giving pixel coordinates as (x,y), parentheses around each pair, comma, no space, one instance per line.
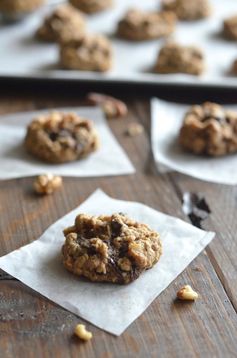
(110,248)
(91,53)
(92,6)
(20,6)
(175,58)
(209,129)
(63,24)
(138,25)
(61,137)
(230,28)
(188,9)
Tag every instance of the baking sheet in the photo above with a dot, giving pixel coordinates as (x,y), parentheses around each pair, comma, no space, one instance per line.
(24,57)
(15,162)
(166,121)
(108,306)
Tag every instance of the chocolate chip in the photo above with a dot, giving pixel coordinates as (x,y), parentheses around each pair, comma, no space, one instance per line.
(115,228)
(53,136)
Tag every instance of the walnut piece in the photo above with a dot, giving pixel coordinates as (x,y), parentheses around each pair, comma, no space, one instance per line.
(186,293)
(47,183)
(112,107)
(134,129)
(81,332)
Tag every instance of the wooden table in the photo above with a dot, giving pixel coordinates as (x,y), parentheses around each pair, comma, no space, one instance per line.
(32,326)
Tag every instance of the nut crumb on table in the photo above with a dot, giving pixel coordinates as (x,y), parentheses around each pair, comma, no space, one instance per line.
(176,58)
(63,24)
(138,25)
(47,183)
(112,107)
(186,293)
(112,248)
(82,333)
(209,129)
(134,129)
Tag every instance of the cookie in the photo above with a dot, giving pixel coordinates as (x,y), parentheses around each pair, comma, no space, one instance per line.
(92,6)
(110,248)
(91,53)
(61,137)
(138,25)
(175,58)
(20,6)
(233,70)
(188,10)
(209,129)
(230,28)
(64,24)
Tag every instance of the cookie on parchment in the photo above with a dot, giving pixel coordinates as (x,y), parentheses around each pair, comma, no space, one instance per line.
(61,137)
(209,129)
(92,6)
(112,248)
(230,28)
(188,10)
(19,6)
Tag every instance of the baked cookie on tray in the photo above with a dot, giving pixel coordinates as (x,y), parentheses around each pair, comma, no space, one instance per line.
(209,129)
(90,53)
(19,6)
(188,9)
(175,58)
(92,6)
(61,137)
(112,248)
(63,24)
(230,28)
(138,25)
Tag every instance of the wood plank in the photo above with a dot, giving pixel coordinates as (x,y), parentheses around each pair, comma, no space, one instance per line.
(34,327)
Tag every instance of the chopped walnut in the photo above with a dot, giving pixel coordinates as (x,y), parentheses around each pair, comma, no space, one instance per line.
(46,184)
(134,129)
(112,107)
(81,332)
(186,293)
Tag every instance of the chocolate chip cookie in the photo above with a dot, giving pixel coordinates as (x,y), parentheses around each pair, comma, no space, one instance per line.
(175,58)
(61,137)
(138,25)
(188,9)
(92,6)
(64,24)
(110,248)
(230,28)
(91,53)
(209,129)
(20,6)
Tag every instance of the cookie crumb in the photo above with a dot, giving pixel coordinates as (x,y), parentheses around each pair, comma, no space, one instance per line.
(112,107)
(186,293)
(46,184)
(81,332)
(134,129)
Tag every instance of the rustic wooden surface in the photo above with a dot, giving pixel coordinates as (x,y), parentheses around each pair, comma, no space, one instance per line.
(32,326)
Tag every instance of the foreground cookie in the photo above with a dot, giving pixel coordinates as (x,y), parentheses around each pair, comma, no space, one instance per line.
(20,6)
(230,27)
(91,53)
(174,58)
(61,137)
(110,248)
(188,9)
(64,24)
(209,129)
(92,6)
(139,25)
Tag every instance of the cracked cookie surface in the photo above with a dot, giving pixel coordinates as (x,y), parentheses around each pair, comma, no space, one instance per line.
(61,137)
(63,24)
(209,129)
(92,6)
(110,248)
(175,58)
(91,53)
(138,25)
(188,9)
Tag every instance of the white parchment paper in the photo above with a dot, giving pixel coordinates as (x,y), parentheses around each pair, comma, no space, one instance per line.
(21,55)
(109,159)
(110,307)
(167,120)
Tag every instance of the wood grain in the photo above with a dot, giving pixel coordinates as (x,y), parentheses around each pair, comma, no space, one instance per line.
(32,326)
